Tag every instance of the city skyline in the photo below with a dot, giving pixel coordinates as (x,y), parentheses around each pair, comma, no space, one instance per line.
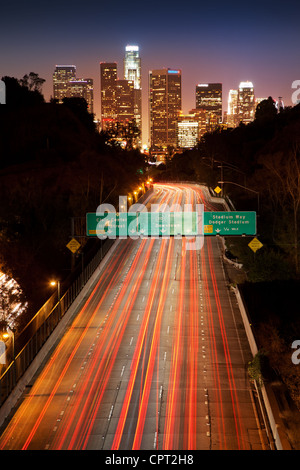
(209,43)
(208,96)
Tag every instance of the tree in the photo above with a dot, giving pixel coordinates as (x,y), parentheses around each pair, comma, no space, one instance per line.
(33,82)
(284,171)
(25,92)
(266,110)
(79,108)
(255,368)
(11,301)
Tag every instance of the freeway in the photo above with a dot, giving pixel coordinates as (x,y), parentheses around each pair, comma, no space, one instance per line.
(156,357)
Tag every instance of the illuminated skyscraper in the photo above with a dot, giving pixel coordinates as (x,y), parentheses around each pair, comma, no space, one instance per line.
(108,79)
(187,131)
(165,107)
(246,102)
(124,100)
(121,99)
(232,112)
(125,112)
(61,77)
(203,123)
(132,66)
(66,85)
(83,88)
(132,72)
(209,98)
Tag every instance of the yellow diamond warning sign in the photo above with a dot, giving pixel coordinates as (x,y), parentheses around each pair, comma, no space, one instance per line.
(255,245)
(73,245)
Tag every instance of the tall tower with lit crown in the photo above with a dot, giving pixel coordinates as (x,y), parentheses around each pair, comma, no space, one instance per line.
(246,102)
(132,72)
(232,111)
(132,66)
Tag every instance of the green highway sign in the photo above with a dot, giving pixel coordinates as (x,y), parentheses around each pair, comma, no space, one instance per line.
(133,224)
(229,223)
(147,224)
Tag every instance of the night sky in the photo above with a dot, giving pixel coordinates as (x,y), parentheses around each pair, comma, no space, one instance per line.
(213,41)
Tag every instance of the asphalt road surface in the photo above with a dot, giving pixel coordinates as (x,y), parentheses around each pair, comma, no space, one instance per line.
(156,357)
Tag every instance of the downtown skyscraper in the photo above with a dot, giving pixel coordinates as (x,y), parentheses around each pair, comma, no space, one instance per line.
(232,108)
(132,72)
(246,102)
(209,99)
(108,85)
(121,109)
(62,75)
(164,107)
(66,85)
(241,105)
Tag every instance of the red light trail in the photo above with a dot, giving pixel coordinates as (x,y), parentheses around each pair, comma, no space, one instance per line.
(150,361)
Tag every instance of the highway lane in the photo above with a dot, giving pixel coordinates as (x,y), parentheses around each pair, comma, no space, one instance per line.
(155,359)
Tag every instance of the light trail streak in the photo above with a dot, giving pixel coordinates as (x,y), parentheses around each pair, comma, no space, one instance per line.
(138,350)
(176,362)
(233,393)
(57,353)
(193,347)
(213,346)
(153,350)
(214,357)
(151,384)
(144,396)
(103,361)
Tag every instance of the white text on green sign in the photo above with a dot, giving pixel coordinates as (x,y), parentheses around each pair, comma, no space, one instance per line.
(166,224)
(229,223)
(142,224)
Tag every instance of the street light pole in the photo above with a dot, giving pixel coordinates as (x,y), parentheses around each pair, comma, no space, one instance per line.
(13,355)
(57,283)
(244,187)
(231,167)
(5,335)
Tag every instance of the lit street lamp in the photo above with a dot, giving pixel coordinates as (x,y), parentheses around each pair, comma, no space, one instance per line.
(57,283)
(4,336)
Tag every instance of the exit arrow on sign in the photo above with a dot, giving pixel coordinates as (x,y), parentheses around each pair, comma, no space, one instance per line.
(229,223)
